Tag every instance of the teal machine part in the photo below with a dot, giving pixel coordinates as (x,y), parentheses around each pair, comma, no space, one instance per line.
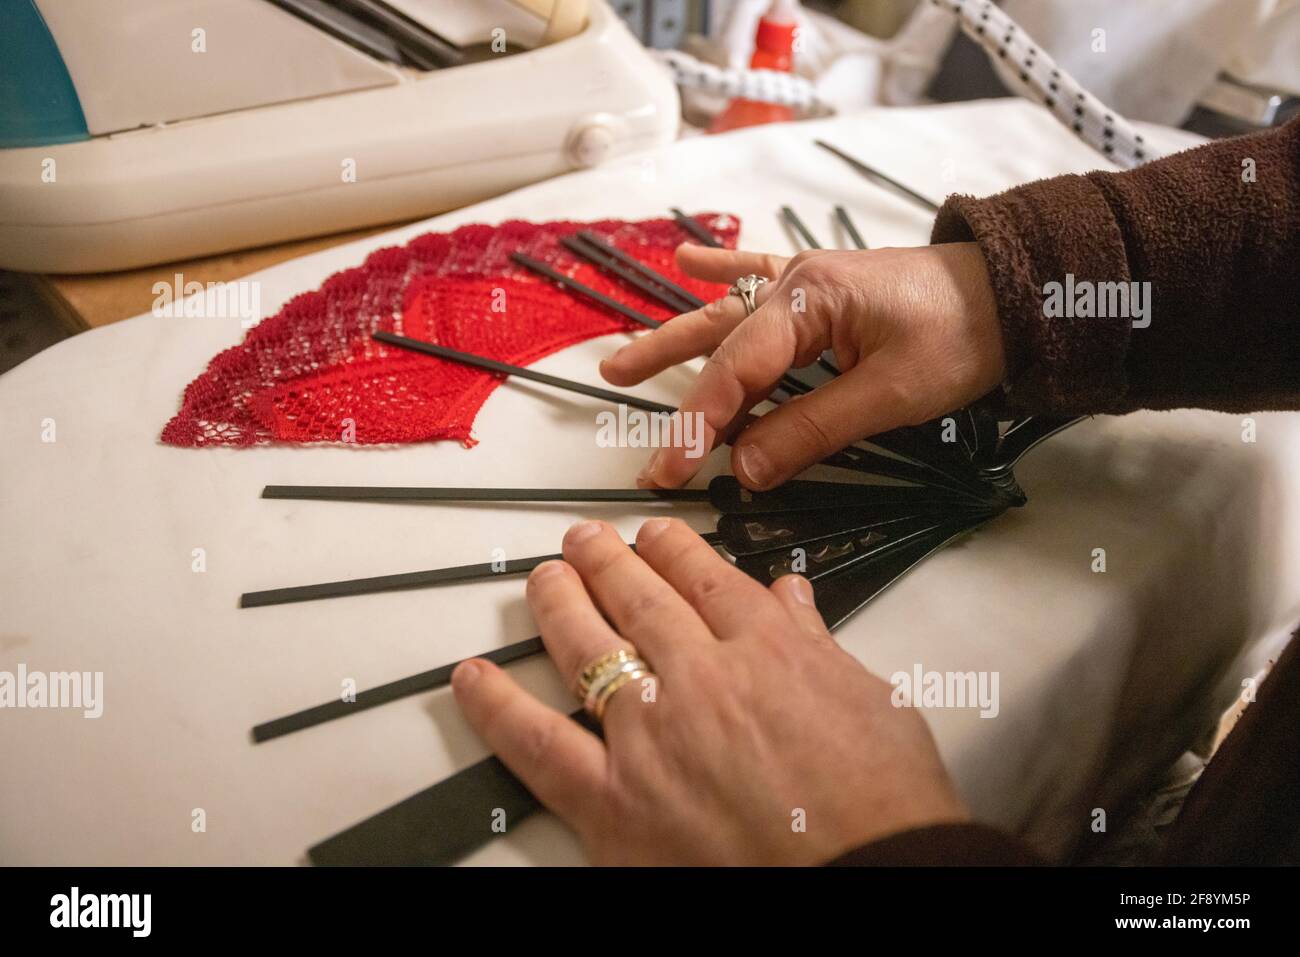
(38,103)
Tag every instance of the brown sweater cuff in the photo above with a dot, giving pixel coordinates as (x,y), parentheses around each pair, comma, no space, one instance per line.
(942,845)
(1037,234)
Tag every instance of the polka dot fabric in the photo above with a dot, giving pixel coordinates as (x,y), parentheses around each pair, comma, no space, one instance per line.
(311,373)
(1036,76)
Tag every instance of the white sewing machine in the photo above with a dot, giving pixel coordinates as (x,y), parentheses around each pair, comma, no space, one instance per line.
(149,131)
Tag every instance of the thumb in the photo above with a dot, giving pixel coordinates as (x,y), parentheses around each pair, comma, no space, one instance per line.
(801,432)
(739,374)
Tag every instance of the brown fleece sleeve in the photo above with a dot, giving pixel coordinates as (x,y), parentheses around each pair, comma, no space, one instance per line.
(1215,231)
(941,844)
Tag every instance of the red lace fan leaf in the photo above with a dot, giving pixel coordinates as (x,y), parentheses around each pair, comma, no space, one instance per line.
(311,373)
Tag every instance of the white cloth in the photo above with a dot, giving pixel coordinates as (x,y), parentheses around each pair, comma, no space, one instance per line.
(1271,56)
(1151,60)
(1154,60)
(1099,673)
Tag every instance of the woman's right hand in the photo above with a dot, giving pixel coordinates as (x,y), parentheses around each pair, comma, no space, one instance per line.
(914,331)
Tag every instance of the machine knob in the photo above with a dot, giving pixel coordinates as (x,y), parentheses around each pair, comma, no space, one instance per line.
(593,140)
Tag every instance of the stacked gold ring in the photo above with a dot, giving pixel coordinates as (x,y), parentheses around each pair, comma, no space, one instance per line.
(602,678)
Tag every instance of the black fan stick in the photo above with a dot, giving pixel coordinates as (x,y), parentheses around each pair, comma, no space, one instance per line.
(1019,438)
(453,575)
(729,497)
(379,493)
(838,554)
(439,825)
(594,242)
(724,493)
(521,372)
(693,227)
(600,257)
(797,224)
(391,691)
(568,282)
(855,237)
(841,596)
(960,480)
(435,827)
(457,574)
(743,535)
(879,178)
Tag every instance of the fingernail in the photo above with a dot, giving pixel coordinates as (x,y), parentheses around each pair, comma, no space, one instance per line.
(581,532)
(755,465)
(466,673)
(647,474)
(800,589)
(546,570)
(652,529)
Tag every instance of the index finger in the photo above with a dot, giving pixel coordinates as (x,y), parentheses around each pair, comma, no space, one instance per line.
(727,265)
(740,374)
(563,764)
(691,334)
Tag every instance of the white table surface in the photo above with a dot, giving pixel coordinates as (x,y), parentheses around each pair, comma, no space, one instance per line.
(1103,676)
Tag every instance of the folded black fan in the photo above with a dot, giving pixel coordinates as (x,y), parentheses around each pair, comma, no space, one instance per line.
(905,494)
(850,539)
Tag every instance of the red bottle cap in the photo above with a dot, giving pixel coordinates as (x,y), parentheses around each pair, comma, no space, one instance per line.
(775,36)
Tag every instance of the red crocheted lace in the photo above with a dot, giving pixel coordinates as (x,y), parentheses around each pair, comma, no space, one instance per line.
(311,373)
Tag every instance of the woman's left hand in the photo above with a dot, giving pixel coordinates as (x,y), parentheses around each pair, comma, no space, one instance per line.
(757,740)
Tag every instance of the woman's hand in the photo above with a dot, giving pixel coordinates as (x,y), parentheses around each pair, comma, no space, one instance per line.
(915,333)
(757,741)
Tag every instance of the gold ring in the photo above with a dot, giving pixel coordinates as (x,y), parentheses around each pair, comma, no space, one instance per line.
(604,676)
(597,665)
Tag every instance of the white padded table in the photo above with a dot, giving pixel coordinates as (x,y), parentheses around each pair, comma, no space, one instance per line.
(1103,677)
